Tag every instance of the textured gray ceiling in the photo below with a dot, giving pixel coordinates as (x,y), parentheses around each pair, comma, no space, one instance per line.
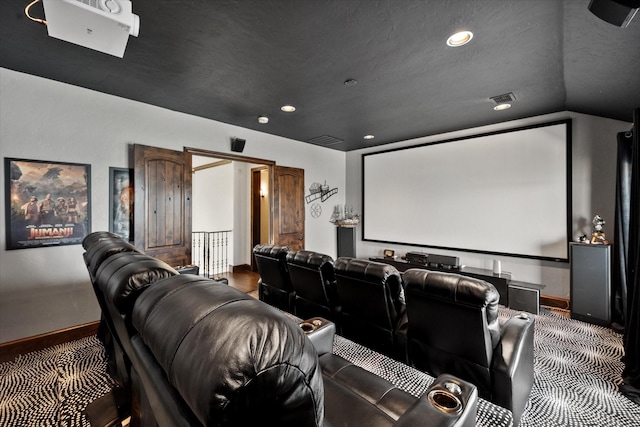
(232,61)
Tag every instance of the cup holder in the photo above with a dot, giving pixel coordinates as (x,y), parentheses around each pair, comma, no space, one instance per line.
(307,327)
(311,325)
(445,401)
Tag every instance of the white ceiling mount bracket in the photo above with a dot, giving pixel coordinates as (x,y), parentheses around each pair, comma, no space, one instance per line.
(104,25)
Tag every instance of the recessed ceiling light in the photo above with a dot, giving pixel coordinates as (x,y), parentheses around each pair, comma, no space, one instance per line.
(501,107)
(288,108)
(459,39)
(263,120)
(369,137)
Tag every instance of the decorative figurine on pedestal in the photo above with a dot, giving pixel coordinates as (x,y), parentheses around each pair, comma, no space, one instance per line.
(597,236)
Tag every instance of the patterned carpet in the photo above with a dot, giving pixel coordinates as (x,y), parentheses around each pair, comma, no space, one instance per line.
(577,368)
(51,387)
(577,372)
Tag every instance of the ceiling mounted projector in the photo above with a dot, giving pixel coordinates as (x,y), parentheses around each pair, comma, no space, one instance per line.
(102,25)
(616,12)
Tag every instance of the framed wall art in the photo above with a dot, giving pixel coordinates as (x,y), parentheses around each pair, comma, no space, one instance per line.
(47,203)
(121,202)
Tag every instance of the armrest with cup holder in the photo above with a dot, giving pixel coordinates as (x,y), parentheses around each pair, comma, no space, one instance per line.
(449,402)
(321,332)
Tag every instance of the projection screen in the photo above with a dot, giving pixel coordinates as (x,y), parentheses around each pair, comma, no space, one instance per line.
(505,193)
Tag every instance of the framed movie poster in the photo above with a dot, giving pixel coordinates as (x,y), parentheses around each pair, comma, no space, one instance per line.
(47,203)
(121,202)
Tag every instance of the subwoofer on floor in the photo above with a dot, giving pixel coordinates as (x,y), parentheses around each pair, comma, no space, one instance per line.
(524,298)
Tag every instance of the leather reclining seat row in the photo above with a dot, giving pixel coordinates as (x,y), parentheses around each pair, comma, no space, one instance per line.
(202,353)
(119,272)
(436,322)
(309,284)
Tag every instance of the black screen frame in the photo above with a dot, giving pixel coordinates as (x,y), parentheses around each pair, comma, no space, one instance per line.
(568,192)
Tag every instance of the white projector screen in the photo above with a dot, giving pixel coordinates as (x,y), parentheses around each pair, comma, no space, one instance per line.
(505,193)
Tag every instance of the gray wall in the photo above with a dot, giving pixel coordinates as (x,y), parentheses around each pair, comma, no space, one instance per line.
(46,289)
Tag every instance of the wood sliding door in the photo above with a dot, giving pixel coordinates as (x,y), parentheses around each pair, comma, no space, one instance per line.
(288,207)
(162,210)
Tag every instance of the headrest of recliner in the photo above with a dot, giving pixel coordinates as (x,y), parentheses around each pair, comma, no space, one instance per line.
(366,270)
(451,286)
(272,251)
(124,276)
(308,258)
(92,238)
(234,359)
(101,250)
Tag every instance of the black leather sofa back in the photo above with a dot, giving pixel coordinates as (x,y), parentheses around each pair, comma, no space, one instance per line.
(119,281)
(233,359)
(372,301)
(274,286)
(314,283)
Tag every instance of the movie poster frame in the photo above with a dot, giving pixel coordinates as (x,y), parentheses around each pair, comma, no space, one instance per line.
(73,180)
(120,179)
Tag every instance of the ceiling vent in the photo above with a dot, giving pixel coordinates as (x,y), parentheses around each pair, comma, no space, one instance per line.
(507,98)
(325,140)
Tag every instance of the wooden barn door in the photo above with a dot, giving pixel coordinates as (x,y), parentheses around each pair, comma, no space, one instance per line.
(162,210)
(288,207)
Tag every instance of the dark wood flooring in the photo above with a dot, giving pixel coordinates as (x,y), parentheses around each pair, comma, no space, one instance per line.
(246,281)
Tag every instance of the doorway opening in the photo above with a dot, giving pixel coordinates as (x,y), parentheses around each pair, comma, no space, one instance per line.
(231,210)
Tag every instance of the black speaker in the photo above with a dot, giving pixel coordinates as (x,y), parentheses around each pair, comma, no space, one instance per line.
(237,144)
(444,261)
(616,12)
(417,258)
(346,241)
(591,283)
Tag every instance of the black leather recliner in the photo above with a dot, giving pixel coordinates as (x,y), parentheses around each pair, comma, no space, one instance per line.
(372,302)
(274,286)
(208,354)
(453,327)
(314,283)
